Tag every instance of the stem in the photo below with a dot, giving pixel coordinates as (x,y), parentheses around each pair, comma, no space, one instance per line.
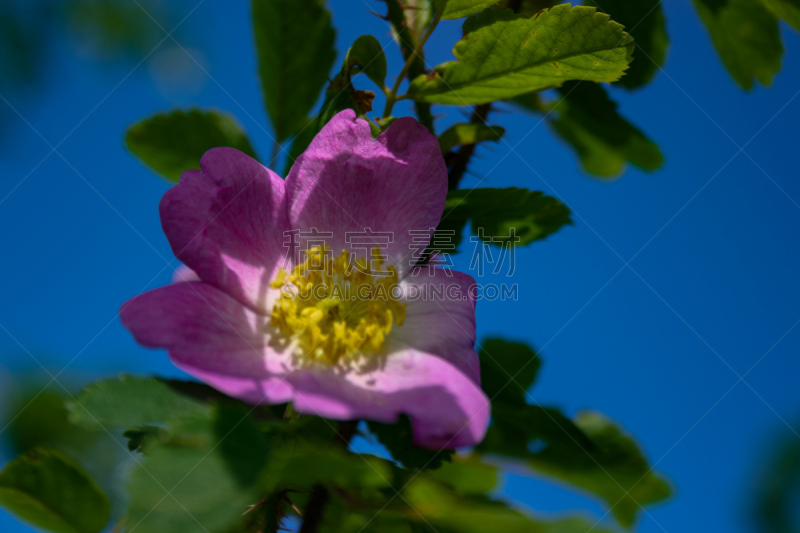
(314,509)
(391,98)
(276,151)
(464,154)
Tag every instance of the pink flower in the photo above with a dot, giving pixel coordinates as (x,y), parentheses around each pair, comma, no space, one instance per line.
(238,328)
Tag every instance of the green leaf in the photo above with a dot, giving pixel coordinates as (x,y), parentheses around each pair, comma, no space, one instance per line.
(366,53)
(173,143)
(132,401)
(530,214)
(456,9)
(789,10)
(468,133)
(397,439)
(432,504)
(604,140)
(504,55)
(50,491)
(200,476)
(746,37)
(645,21)
(467,475)
(295,47)
(616,471)
(508,369)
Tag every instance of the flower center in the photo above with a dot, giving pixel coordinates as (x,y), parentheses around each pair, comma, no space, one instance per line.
(339,310)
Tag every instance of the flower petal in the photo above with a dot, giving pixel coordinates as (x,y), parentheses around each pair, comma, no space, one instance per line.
(440,318)
(211,336)
(346,181)
(227,223)
(447,409)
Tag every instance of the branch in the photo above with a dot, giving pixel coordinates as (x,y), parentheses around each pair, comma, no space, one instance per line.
(460,160)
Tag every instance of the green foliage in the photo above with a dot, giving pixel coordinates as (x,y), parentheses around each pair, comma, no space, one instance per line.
(788,10)
(49,490)
(200,476)
(508,369)
(173,143)
(746,36)
(644,20)
(504,55)
(131,401)
(397,439)
(456,9)
(777,488)
(294,44)
(468,133)
(366,53)
(531,214)
(604,140)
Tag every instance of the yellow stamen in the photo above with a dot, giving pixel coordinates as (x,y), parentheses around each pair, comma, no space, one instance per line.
(339,311)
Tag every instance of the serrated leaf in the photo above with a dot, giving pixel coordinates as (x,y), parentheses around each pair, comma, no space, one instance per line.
(644,20)
(504,55)
(172,143)
(200,477)
(50,491)
(456,9)
(529,214)
(789,10)
(132,401)
(468,133)
(746,36)
(588,120)
(295,48)
(397,438)
(366,53)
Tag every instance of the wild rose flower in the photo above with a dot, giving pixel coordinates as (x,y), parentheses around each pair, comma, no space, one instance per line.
(267,326)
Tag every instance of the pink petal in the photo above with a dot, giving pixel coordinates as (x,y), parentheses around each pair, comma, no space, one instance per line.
(183,274)
(227,223)
(447,409)
(346,181)
(440,319)
(221,342)
(212,337)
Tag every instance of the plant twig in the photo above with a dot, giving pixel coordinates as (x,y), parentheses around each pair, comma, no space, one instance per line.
(396,17)
(460,161)
(391,98)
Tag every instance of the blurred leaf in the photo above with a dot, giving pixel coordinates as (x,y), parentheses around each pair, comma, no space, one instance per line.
(467,475)
(433,505)
(40,419)
(789,10)
(530,214)
(528,8)
(504,55)
(746,37)
(397,439)
(200,477)
(468,133)
(132,401)
(508,369)
(295,47)
(301,466)
(778,488)
(616,470)
(172,143)
(109,27)
(47,489)
(605,141)
(645,21)
(366,53)
(456,9)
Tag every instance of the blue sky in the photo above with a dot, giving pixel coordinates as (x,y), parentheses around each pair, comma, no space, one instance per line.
(668,288)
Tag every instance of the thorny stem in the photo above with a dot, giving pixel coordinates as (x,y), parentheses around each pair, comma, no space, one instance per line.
(392,97)
(461,159)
